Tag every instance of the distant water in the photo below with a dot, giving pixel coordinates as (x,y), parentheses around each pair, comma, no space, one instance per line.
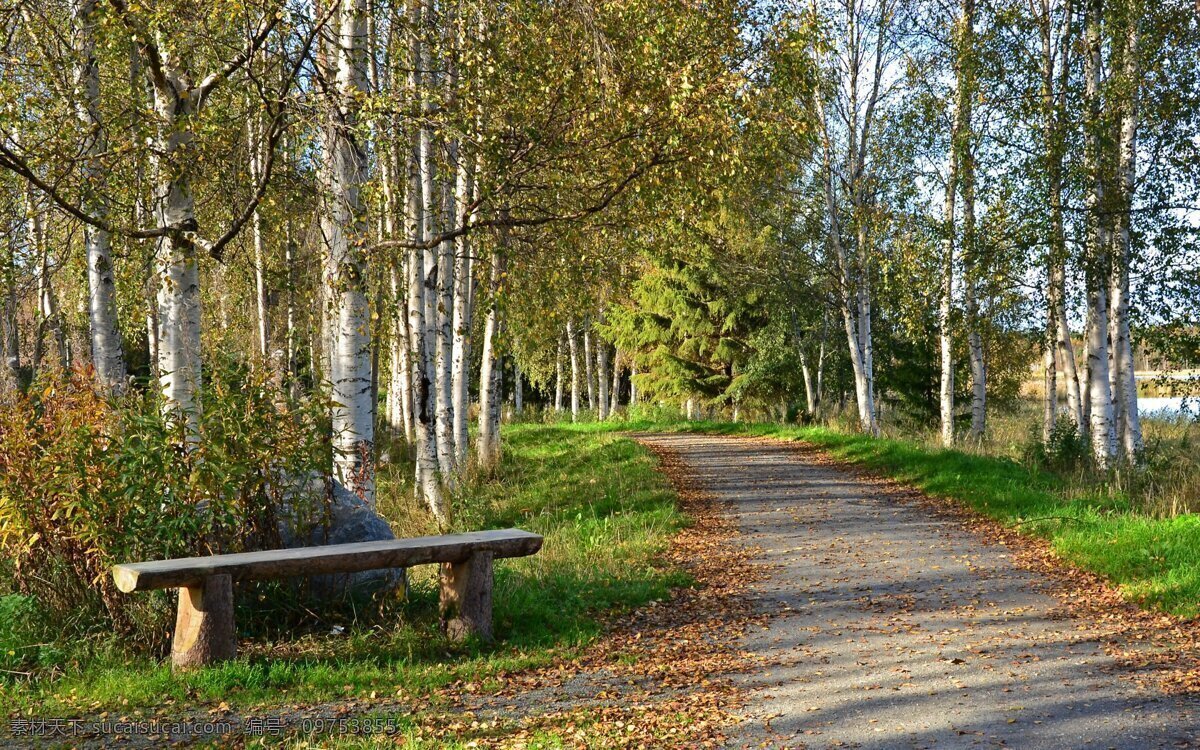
(1170,407)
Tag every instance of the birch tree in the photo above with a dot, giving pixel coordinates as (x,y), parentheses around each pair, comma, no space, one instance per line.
(108,357)
(863,39)
(345,232)
(1126,56)
(1098,260)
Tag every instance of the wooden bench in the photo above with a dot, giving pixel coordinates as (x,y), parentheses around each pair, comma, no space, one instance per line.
(204,629)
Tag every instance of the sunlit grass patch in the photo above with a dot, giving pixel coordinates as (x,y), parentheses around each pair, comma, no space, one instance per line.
(1153,558)
(607,516)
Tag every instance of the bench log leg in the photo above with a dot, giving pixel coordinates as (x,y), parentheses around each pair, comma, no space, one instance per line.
(466,597)
(204,632)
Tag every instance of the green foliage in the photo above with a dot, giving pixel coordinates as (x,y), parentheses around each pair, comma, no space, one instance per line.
(607,516)
(87,482)
(1066,449)
(686,326)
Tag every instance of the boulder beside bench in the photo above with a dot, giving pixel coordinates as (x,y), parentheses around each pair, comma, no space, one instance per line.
(204,627)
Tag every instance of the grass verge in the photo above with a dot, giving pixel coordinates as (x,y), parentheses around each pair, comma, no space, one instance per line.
(1155,561)
(607,516)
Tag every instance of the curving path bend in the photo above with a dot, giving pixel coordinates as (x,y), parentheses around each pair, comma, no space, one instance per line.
(894,627)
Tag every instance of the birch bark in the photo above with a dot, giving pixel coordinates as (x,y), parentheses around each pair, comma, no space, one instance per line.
(518,389)
(558,374)
(946,296)
(614,392)
(574,347)
(463,312)
(428,485)
(1124,377)
(602,378)
(353,410)
(490,393)
(254,129)
(589,371)
(1104,439)
(10,342)
(972,269)
(447,265)
(108,357)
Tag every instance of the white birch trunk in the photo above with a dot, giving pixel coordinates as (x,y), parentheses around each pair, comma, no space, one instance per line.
(428,484)
(558,374)
(353,410)
(444,370)
(588,368)
(178,296)
(490,383)
(463,312)
(1104,439)
(263,315)
(400,382)
(602,378)
(1125,391)
(614,392)
(946,300)
(446,189)
(572,343)
(49,322)
(10,342)
(518,389)
(108,357)
(291,334)
(1058,346)
(810,385)
(970,250)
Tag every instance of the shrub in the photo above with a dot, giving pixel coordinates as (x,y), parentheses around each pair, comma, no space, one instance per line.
(87,482)
(1066,449)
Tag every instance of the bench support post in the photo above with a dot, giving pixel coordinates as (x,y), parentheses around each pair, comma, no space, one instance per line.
(466,597)
(204,632)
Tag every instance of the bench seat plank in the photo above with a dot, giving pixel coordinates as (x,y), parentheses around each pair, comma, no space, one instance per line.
(332,558)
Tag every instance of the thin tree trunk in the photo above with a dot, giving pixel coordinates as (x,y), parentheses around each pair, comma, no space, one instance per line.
(399,385)
(1104,439)
(602,378)
(428,485)
(970,251)
(49,322)
(178,297)
(558,374)
(463,311)
(292,355)
(946,297)
(572,342)
(256,141)
(589,370)
(490,394)
(1124,376)
(1049,361)
(1057,343)
(518,389)
(614,392)
(10,342)
(854,298)
(810,384)
(353,410)
(108,357)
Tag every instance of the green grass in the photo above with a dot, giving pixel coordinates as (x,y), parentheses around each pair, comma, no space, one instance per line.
(607,515)
(1154,560)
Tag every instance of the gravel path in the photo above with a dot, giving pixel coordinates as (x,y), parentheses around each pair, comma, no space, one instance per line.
(896,627)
